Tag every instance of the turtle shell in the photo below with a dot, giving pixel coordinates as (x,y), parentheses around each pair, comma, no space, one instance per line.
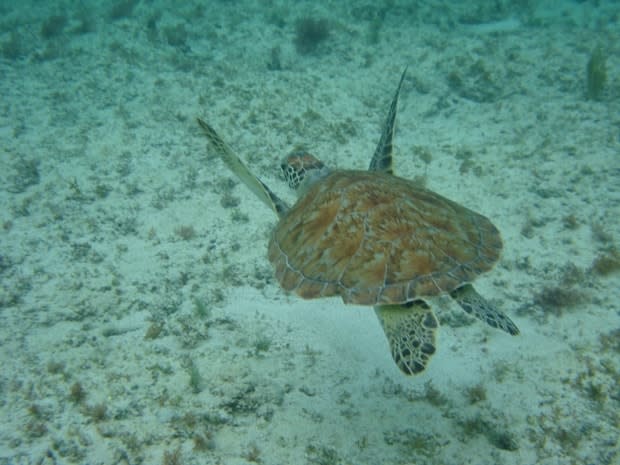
(373,238)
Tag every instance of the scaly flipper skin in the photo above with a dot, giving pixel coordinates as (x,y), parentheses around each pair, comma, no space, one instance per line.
(476,305)
(235,164)
(382,158)
(410,330)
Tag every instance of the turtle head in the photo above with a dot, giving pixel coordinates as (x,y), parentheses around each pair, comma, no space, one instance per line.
(302,169)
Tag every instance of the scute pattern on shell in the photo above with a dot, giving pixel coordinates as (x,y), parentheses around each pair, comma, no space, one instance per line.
(373,238)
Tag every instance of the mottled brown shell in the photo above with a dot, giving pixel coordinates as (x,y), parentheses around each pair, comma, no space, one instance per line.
(373,238)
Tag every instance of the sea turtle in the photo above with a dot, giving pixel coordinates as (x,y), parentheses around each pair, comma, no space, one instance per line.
(376,239)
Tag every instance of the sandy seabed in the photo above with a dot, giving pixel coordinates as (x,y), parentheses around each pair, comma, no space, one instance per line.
(140,321)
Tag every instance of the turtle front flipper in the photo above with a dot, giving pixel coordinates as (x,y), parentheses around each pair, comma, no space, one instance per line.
(382,158)
(235,164)
(410,330)
(476,305)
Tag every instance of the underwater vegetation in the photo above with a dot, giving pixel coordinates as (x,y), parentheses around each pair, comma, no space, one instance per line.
(77,393)
(25,173)
(607,262)
(185,233)
(275,60)
(596,74)
(13,48)
(475,79)
(196,380)
(176,36)
(53,26)
(122,9)
(310,33)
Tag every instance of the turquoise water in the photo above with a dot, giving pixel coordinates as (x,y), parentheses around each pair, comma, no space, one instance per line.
(140,319)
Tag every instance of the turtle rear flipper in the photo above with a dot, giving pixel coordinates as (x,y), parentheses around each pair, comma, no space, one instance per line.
(235,164)
(410,329)
(476,305)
